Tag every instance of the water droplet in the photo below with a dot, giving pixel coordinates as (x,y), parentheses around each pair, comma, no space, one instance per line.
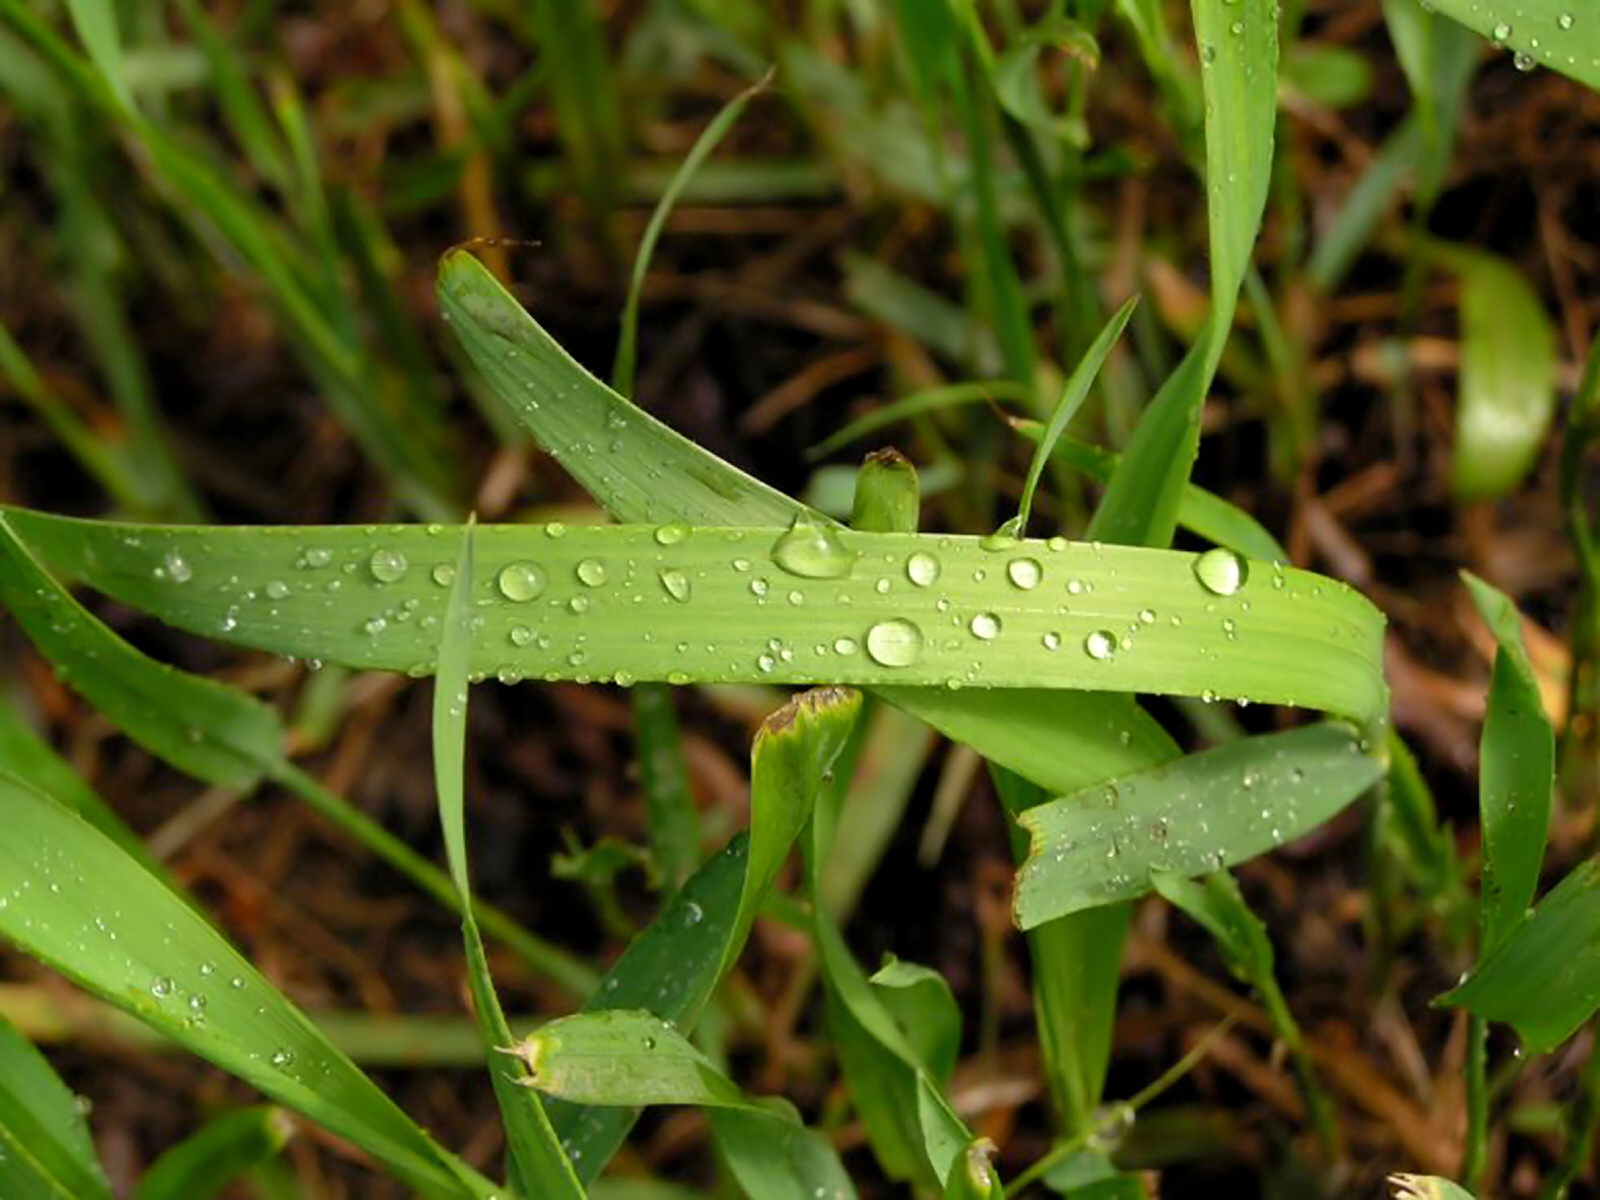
(444,574)
(922,569)
(1051,640)
(813,551)
(1024,573)
(985,625)
(649,1042)
(317,556)
(387,565)
(177,567)
(1501,32)
(375,625)
(282,1057)
(845,645)
(894,643)
(1101,644)
(671,535)
(520,582)
(207,969)
(591,572)
(276,589)
(1005,537)
(758,587)
(1523,62)
(521,635)
(555,530)
(1221,572)
(676,583)
(1565,22)
(693,914)
(162,987)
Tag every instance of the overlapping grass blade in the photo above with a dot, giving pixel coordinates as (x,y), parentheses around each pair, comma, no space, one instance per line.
(222,1150)
(1507,396)
(1239,60)
(1544,978)
(1580,737)
(155,957)
(1560,34)
(920,1001)
(214,732)
(539,1167)
(46,1152)
(1207,811)
(779,1159)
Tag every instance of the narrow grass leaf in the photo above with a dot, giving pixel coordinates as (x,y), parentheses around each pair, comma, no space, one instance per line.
(1073,394)
(153,956)
(45,1148)
(1202,813)
(1516,773)
(1507,397)
(810,604)
(1544,978)
(223,1149)
(96,22)
(539,1166)
(1563,35)
(1580,738)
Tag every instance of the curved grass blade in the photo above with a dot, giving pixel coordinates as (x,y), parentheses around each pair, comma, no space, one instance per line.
(200,1166)
(920,1000)
(151,955)
(45,1149)
(627,603)
(1563,35)
(1202,813)
(1507,395)
(1516,774)
(779,1159)
(1544,978)
(1073,394)
(539,1167)
(1580,736)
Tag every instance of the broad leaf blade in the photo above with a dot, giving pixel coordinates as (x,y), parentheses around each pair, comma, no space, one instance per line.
(1563,35)
(155,957)
(1202,813)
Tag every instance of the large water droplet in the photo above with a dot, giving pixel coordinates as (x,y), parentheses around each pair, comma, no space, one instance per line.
(387,564)
(894,643)
(1565,22)
(985,625)
(444,574)
(1221,572)
(813,551)
(1101,644)
(922,569)
(676,583)
(1004,538)
(671,535)
(177,567)
(316,556)
(591,572)
(162,988)
(520,582)
(1024,573)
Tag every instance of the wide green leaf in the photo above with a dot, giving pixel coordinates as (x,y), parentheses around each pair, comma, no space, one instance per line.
(808,604)
(1563,35)
(1202,813)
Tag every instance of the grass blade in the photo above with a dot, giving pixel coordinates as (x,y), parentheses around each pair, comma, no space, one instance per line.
(1516,775)
(155,957)
(778,1159)
(45,1148)
(570,604)
(539,1166)
(225,1148)
(1205,812)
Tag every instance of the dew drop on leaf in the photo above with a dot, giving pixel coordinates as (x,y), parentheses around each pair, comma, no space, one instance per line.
(922,569)
(813,551)
(894,643)
(387,564)
(1100,645)
(591,572)
(1024,573)
(520,582)
(676,584)
(985,625)
(1221,572)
